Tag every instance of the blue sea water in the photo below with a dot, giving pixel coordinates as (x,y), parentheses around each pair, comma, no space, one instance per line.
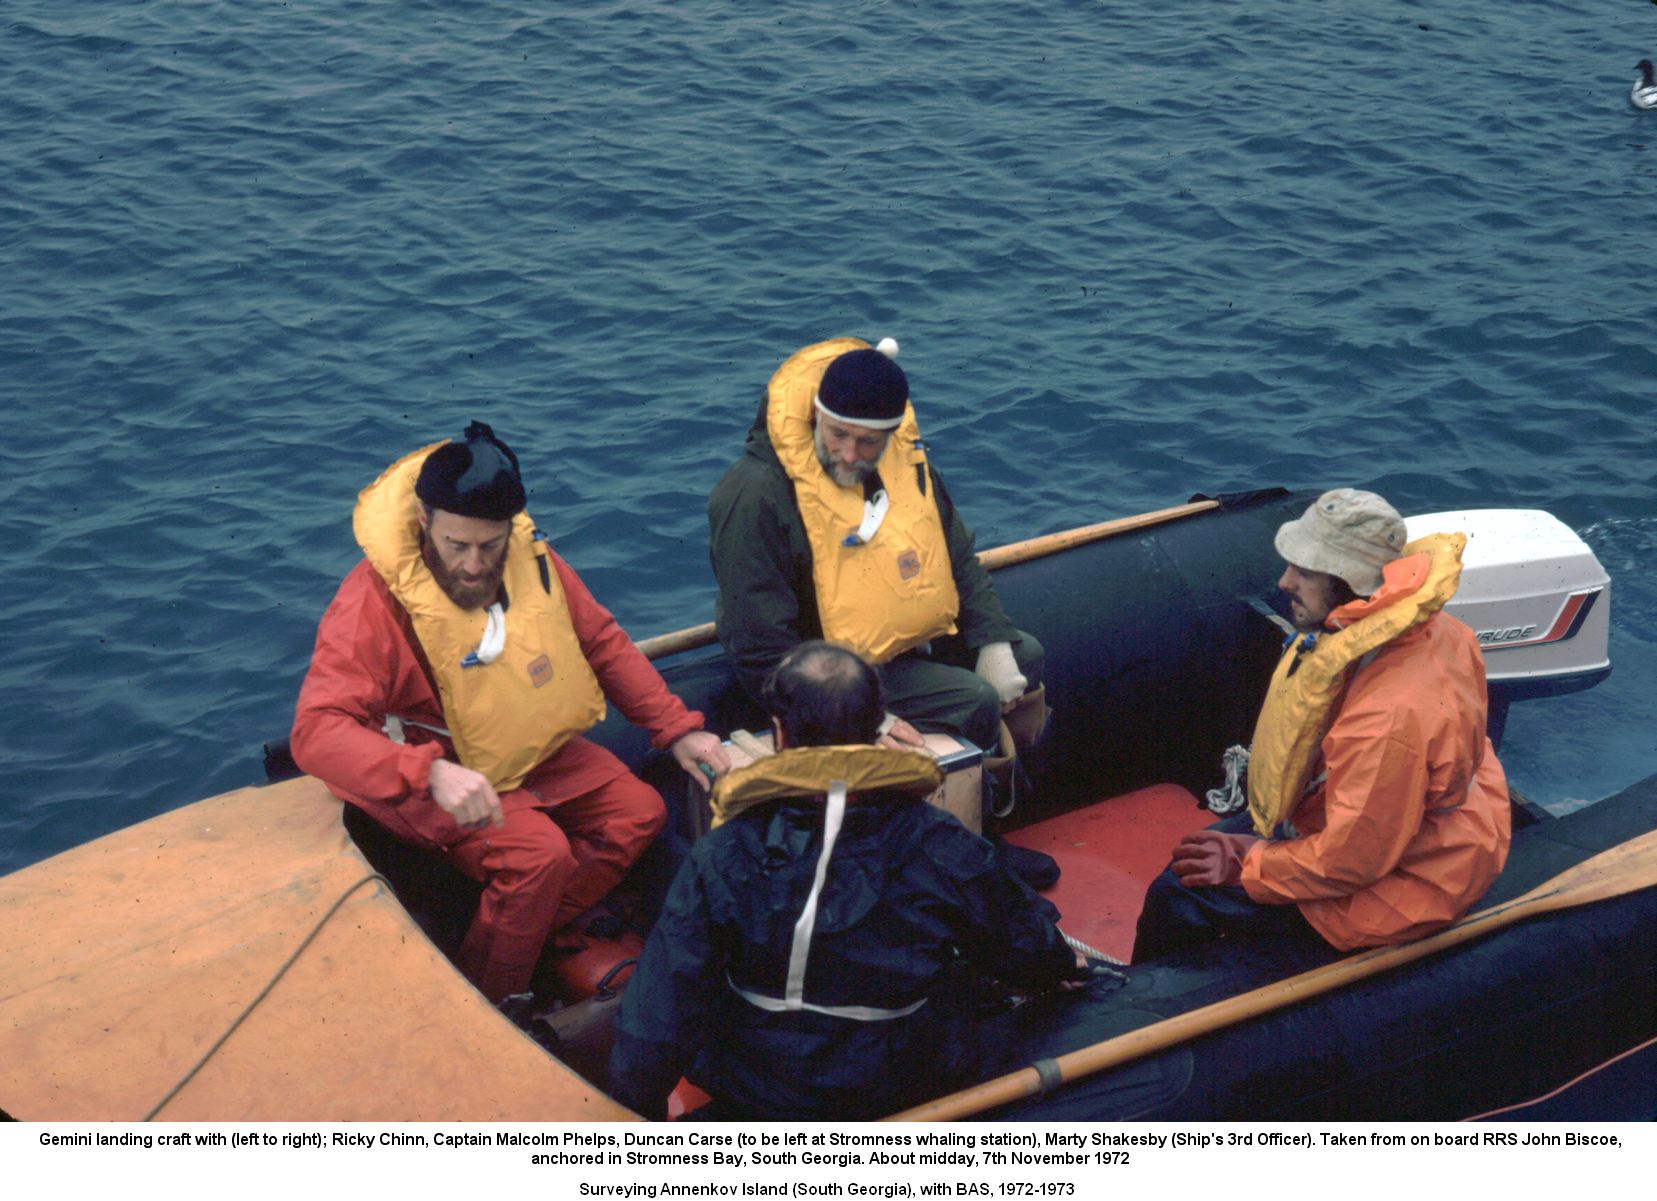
(252,252)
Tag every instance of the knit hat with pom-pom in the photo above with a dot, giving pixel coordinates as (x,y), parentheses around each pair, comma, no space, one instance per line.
(865,387)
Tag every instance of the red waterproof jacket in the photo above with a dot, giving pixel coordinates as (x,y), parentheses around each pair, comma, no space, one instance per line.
(368,663)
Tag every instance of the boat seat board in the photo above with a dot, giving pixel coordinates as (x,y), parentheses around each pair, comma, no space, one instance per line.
(129,956)
(1108,854)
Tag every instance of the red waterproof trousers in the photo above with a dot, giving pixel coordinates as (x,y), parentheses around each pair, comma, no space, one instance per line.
(557,856)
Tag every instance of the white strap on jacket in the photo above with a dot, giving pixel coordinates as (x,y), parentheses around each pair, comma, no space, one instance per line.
(875,509)
(856,1013)
(833,817)
(494,639)
(793,998)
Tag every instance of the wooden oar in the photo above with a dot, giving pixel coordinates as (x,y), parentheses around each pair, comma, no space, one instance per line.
(1034,548)
(1623,869)
(995,558)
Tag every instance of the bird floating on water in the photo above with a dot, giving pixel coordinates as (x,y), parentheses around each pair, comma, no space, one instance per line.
(1643,94)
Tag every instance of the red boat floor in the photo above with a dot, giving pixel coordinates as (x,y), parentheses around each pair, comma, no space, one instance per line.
(1108,854)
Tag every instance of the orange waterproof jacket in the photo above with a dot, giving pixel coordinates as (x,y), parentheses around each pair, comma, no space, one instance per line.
(1411,824)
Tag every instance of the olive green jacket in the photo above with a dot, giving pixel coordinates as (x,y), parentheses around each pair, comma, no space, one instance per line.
(762,560)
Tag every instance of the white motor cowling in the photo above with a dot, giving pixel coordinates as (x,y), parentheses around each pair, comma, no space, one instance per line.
(1535,595)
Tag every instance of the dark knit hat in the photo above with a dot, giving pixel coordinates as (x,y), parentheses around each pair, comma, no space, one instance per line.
(474,476)
(865,387)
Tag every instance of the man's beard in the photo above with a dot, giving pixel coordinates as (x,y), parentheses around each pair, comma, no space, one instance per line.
(468,596)
(1302,618)
(846,477)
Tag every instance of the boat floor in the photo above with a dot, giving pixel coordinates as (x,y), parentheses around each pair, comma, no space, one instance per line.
(1108,854)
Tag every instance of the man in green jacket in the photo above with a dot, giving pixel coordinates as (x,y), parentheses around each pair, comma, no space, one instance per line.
(834,525)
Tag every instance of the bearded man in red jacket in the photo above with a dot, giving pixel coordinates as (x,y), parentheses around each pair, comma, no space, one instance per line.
(454,674)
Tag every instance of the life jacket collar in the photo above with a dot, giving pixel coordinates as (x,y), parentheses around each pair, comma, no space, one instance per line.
(1399,578)
(805,772)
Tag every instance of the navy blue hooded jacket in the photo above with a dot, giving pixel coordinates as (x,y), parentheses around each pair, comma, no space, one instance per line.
(913,909)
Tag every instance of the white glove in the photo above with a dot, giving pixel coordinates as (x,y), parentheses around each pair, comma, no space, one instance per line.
(1000,671)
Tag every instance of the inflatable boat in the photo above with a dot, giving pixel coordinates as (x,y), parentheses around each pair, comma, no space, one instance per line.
(268,955)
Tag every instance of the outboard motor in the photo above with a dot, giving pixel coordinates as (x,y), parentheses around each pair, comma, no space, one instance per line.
(1537,598)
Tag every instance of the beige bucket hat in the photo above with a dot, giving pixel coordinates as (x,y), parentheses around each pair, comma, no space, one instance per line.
(1345,533)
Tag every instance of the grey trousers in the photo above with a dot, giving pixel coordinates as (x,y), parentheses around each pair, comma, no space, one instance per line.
(939,692)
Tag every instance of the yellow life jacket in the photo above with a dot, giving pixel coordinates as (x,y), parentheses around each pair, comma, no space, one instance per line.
(1307,686)
(809,770)
(897,590)
(507,716)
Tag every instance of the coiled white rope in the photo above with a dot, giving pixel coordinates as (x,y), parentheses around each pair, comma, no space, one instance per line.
(1233,794)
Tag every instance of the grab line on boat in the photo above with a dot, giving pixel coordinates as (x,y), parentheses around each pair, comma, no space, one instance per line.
(1571,1083)
(1076,944)
(263,993)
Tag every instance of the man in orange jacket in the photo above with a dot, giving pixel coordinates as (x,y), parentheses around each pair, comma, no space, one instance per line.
(454,674)
(1405,823)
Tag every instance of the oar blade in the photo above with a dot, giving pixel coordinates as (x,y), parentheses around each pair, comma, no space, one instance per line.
(1625,868)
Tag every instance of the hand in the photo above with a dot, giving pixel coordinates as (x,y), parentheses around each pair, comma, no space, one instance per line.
(465,795)
(901,736)
(1210,858)
(696,748)
(1079,980)
(997,668)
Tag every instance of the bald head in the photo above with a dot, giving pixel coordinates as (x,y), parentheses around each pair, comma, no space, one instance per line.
(824,695)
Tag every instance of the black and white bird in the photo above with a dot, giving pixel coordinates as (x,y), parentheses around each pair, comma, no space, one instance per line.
(1643,95)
